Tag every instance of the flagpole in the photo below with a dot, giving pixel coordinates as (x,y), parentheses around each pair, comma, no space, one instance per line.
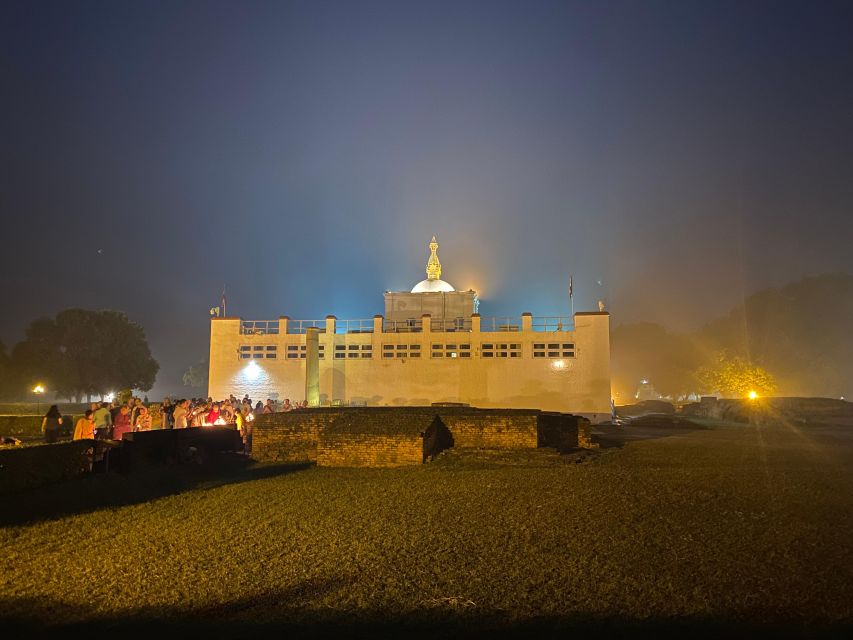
(572,296)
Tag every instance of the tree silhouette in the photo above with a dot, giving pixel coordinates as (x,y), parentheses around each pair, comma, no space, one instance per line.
(80,353)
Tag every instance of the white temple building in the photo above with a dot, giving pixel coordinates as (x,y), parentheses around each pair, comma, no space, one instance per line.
(430,346)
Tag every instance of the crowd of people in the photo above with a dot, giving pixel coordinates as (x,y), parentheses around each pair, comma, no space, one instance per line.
(111,420)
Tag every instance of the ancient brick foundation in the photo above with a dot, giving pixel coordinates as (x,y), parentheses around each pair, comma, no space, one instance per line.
(394,436)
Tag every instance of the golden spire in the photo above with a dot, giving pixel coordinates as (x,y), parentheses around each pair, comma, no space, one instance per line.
(433,268)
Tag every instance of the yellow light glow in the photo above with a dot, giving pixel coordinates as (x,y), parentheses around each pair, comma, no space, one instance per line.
(752,395)
(559,364)
(38,388)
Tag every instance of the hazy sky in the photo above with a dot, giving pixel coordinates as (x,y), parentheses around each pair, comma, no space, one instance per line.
(681,154)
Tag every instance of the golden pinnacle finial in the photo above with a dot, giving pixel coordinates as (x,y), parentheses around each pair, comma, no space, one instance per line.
(433,268)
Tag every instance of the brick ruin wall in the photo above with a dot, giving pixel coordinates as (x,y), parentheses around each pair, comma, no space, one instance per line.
(369,450)
(390,436)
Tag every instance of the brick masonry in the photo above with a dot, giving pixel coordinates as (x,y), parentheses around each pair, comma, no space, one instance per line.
(392,436)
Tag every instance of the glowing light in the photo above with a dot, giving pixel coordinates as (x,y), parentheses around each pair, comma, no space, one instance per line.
(644,381)
(110,396)
(252,370)
(219,422)
(752,395)
(250,417)
(38,388)
(558,364)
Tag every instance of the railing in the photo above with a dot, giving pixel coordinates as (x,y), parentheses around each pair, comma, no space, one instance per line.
(553,323)
(455,324)
(258,327)
(354,326)
(500,324)
(507,324)
(402,326)
(302,326)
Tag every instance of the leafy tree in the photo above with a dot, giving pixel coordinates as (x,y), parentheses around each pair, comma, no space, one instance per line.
(81,353)
(735,377)
(801,332)
(196,376)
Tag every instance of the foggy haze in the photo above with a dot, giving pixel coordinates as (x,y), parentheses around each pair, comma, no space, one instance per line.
(302,154)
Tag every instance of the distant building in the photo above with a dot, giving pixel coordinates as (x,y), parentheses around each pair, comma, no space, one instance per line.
(430,346)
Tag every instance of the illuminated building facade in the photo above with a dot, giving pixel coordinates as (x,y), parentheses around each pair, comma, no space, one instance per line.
(430,346)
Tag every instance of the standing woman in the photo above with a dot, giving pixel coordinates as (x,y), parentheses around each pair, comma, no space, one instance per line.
(50,424)
(143,420)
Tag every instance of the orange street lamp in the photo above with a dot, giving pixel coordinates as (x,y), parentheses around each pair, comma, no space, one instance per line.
(38,390)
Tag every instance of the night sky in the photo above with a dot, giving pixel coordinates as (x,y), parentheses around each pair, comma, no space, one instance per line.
(673,156)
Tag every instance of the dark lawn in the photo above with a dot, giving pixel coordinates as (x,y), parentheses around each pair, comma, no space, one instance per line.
(711,531)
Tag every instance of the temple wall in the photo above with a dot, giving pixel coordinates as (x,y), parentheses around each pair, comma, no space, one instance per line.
(359,368)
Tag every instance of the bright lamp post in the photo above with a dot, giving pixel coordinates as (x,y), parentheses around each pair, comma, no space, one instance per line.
(38,390)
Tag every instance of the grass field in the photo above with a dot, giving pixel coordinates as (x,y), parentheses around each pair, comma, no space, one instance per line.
(724,530)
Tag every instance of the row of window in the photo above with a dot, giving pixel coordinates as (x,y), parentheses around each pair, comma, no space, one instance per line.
(449,350)
(553,350)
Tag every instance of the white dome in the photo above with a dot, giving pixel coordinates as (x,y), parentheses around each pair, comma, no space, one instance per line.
(432,286)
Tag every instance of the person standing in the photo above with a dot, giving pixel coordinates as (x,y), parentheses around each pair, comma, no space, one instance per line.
(143,420)
(180,414)
(50,424)
(134,411)
(213,415)
(167,411)
(103,421)
(85,427)
(122,423)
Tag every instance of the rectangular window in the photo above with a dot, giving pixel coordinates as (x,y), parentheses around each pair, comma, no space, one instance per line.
(568,345)
(340,355)
(414,347)
(293,347)
(553,354)
(245,356)
(367,347)
(553,346)
(258,348)
(366,355)
(340,347)
(538,354)
(257,355)
(415,354)
(245,347)
(352,354)
(539,345)
(270,356)
(352,347)
(568,354)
